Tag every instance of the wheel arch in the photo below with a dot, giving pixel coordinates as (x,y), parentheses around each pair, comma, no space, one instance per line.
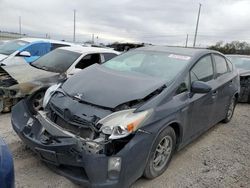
(236,95)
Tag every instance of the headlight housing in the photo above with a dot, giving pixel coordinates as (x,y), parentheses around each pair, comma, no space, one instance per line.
(49,93)
(123,123)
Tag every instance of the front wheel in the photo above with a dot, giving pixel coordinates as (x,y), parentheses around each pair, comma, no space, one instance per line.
(35,101)
(161,153)
(230,110)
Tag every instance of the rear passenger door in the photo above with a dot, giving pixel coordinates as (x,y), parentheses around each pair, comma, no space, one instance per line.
(223,82)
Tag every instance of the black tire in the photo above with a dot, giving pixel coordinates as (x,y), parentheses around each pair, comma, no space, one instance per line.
(244,90)
(230,110)
(152,170)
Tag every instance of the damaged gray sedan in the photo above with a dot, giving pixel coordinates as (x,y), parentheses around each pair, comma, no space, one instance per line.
(22,80)
(110,124)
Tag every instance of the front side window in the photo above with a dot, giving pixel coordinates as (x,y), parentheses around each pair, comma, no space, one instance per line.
(58,60)
(149,63)
(12,46)
(203,70)
(220,64)
(88,60)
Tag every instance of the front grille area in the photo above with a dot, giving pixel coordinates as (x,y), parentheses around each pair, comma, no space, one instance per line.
(75,125)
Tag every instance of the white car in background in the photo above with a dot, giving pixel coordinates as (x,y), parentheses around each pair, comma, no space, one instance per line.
(19,81)
(27,50)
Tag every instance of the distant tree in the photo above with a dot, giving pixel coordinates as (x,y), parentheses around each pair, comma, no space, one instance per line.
(234,47)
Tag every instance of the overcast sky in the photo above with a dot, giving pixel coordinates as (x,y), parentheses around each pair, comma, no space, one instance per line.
(152,21)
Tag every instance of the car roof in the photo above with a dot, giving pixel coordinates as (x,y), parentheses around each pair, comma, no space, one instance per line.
(237,55)
(31,40)
(82,49)
(177,50)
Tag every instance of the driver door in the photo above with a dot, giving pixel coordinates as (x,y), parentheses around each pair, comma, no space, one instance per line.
(202,105)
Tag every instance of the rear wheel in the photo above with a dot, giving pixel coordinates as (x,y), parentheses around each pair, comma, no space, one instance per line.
(230,110)
(161,153)
(245,90)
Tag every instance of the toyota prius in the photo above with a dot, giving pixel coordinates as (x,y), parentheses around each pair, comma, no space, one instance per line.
(110,124)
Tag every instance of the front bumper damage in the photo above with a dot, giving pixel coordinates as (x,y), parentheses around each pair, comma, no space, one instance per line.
(7,99)
(64,152)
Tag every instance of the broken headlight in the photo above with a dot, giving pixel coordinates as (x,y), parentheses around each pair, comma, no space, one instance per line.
(49,94)
(123,123)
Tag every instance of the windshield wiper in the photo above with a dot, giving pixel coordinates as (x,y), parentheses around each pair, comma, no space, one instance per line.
(38,67)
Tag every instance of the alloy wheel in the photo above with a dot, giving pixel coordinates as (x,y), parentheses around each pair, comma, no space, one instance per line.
(162,153)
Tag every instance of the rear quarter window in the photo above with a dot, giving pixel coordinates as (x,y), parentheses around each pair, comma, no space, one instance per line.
(230,66)
(55,46)
(108,56)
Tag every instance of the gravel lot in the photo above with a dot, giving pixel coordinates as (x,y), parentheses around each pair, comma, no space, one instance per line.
(219,158)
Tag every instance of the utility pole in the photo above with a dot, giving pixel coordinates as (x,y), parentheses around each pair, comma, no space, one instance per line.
(74,35)
(93,38)
(96,39)
(20,25)
(186,41)
(197,24)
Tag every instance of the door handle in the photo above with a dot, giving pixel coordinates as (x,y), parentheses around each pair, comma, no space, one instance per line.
(214,94)
(230,83)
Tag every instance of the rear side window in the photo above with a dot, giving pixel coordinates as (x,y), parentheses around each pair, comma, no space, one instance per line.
(88,60)
(108,56)
(55,46)
(203,70)
(220,64)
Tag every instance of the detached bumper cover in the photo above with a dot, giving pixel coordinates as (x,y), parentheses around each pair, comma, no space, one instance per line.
(62,153)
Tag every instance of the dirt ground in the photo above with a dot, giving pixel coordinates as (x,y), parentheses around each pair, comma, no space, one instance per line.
(219,158)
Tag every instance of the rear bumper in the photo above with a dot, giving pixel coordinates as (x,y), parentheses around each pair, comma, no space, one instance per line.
(66,158)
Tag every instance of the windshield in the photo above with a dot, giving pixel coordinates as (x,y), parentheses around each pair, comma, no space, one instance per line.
(11,46)
(240,62)
(157,64)
(58,60)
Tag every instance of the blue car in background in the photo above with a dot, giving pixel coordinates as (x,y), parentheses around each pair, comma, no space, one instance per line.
(27,50)
(7,177)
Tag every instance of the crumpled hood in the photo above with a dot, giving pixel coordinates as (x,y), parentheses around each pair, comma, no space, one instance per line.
(2,57)
(108,88)
(243,72)
(24,72)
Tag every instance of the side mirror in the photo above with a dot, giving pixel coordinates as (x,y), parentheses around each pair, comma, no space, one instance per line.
(24,54)
(200,87)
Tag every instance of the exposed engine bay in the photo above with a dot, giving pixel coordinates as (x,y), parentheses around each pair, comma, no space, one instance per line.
(15,85)
(86,123)
(5,79)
